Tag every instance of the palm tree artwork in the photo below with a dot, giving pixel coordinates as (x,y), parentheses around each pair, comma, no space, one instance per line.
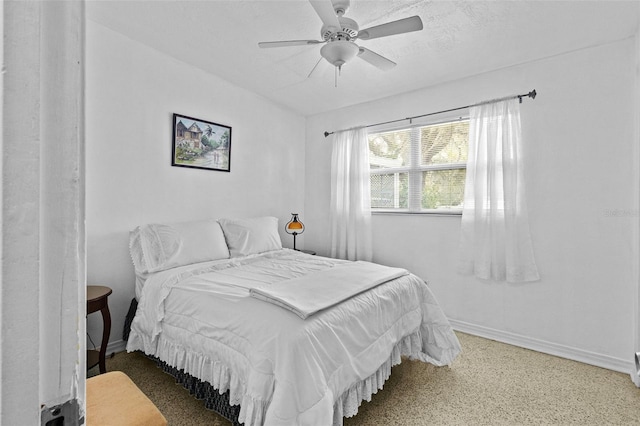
(201,144)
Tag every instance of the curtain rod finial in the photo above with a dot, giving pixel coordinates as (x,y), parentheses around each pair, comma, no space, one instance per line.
(327,134)
(532,94)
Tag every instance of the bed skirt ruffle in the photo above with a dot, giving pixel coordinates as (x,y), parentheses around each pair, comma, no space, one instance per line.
(224,393)
(224,399)
(348,403)
(213,400)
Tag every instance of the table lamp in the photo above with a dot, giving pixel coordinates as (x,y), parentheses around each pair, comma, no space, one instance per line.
(294,227)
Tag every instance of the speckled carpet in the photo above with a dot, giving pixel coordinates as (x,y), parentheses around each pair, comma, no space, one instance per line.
(490,383)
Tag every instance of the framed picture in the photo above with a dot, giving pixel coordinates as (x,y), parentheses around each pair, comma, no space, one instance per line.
(201,144)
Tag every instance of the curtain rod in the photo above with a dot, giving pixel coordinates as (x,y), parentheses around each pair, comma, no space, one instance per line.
(532,94)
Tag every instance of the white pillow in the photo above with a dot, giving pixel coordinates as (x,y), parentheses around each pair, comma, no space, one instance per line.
(251,236)
(157,247)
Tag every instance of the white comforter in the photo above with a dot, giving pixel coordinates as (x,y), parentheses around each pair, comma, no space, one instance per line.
(282,369)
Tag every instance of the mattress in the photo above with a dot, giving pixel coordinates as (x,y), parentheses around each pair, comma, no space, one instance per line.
(280,368)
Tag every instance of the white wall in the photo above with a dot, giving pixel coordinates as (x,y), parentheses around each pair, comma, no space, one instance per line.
(579,159)
(635,374)
(62,212)
(132,92)
(20,284)
(42,296)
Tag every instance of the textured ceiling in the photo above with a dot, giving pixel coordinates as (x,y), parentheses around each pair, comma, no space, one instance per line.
(459,39)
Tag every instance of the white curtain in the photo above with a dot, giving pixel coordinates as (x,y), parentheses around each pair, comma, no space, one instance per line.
(350,196)
(495,237)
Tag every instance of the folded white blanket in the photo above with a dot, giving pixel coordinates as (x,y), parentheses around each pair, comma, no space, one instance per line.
(320,290)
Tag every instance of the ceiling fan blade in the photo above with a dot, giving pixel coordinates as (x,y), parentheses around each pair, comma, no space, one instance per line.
(400,26)
(268,44)
(376,60)
(324,9)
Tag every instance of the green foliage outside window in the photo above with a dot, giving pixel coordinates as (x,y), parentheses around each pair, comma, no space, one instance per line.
(437,167)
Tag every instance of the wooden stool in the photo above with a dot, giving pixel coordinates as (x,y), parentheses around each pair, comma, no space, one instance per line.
(113,399)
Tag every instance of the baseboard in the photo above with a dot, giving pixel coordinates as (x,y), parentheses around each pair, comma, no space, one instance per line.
(115,347)
(592,358)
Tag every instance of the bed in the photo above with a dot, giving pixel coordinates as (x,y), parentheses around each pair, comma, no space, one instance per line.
(288,338)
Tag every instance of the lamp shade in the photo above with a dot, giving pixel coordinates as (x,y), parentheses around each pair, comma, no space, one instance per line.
(339,52)
(294,226)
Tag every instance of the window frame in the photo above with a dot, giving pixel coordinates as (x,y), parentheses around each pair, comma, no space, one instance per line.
(415,168)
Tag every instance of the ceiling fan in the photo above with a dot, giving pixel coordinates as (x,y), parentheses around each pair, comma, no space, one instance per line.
(339,34)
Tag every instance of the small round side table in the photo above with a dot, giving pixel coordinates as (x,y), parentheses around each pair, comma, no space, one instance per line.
(97,296)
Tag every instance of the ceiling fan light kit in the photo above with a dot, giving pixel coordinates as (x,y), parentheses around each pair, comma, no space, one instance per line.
(339,52)
(339,34)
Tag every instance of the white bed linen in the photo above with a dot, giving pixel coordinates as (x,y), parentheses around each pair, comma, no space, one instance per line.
(314,292)
(284,370)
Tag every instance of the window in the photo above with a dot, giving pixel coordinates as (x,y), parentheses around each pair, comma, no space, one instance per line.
(419,168)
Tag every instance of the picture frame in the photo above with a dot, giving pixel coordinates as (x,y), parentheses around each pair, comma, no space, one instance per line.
(200,144)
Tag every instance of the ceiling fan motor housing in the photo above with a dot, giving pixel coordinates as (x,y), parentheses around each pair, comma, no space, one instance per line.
(349,29)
